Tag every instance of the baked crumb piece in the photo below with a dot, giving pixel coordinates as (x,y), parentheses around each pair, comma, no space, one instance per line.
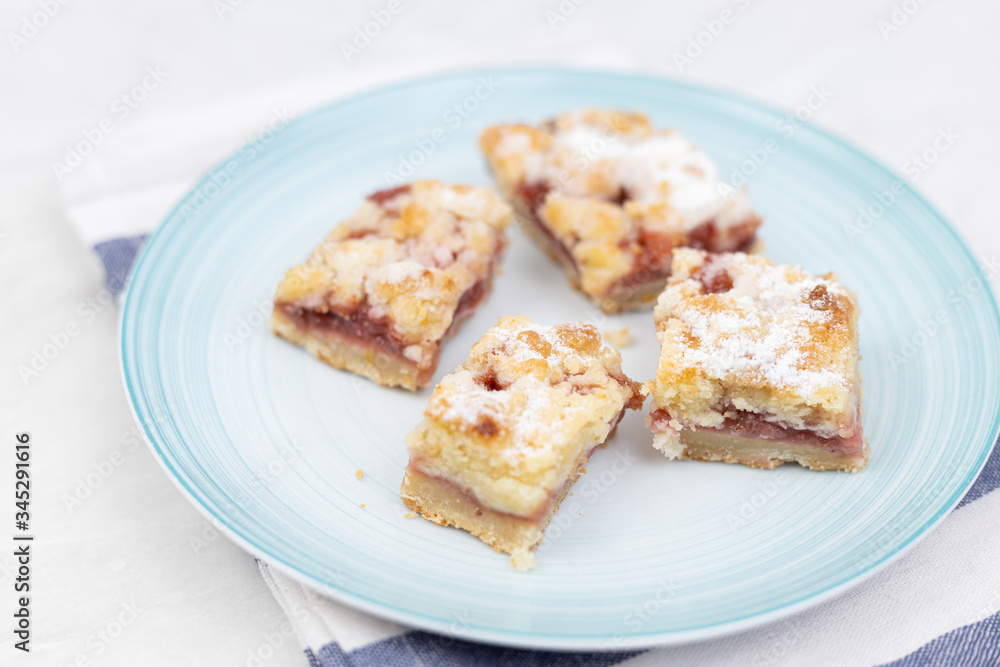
(362,506)
(359,474)
(410,515)
(619,338)
(379,295)
(505,435)
(758,365)
(523,560)
(607,196)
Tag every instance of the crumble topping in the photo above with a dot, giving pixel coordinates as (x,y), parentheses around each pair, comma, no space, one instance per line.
(612,189)
(518,372)
(405,257)
(660,172)
(511,423)
(739,333)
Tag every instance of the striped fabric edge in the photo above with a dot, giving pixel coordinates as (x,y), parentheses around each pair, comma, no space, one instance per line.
(424,648)
(974,645)
(117,255)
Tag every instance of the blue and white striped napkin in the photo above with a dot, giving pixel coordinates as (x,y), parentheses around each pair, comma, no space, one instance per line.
(938,605)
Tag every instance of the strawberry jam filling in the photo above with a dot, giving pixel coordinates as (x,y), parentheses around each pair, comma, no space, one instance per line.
(541,514)
(376,333)
(382,196)
(756,427)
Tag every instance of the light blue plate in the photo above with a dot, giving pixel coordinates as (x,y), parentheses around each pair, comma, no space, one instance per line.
(266,440)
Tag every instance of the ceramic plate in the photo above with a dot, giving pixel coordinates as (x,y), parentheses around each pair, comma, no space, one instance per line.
(265,440)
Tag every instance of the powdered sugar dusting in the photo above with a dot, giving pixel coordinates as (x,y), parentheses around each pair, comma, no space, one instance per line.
(409,254)
(399,272)
(653,168)
(525,381)
(514,345)
(523,409)
(759,328)
(513,143)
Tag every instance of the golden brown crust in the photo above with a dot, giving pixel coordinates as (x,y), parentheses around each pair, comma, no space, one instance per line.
(612,196)
(443,503)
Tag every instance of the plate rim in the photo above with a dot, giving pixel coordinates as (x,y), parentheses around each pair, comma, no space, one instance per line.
(523,638)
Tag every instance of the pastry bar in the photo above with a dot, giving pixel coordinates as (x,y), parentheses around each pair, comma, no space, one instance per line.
(506,435)
(758,365)
(388,284)
(608,197)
